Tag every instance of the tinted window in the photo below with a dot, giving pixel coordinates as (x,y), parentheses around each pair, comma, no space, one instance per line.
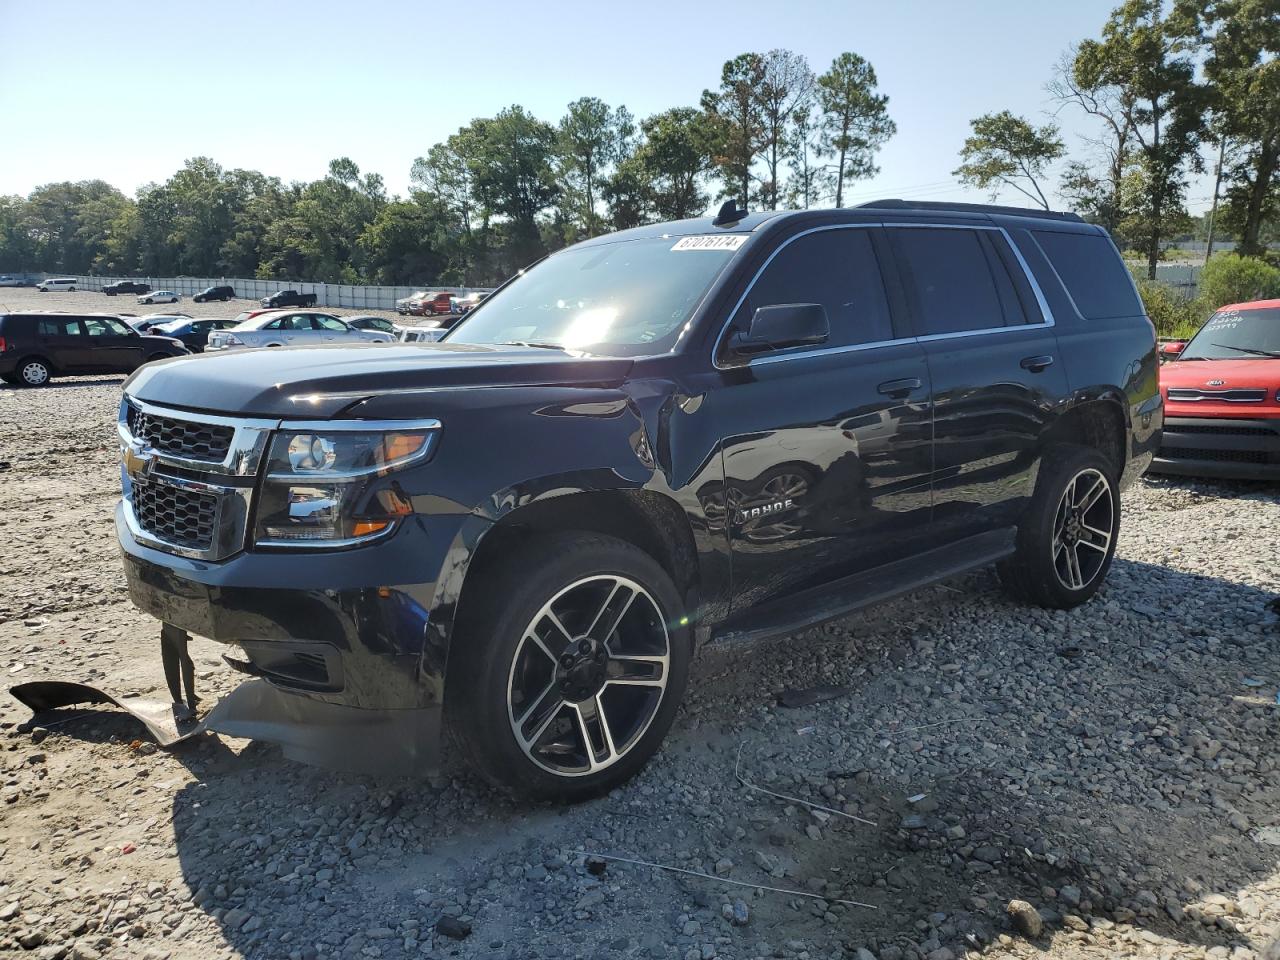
(105,327)
(949,273)
(1092,273)
(836,268)
(58,327)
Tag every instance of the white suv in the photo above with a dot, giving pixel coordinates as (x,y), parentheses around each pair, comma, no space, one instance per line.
(61,283)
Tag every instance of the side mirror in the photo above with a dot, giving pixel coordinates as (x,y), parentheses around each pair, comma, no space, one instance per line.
(1170,350)
(783,325)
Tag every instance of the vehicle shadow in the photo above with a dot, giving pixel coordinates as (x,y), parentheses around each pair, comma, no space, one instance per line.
(1107,765)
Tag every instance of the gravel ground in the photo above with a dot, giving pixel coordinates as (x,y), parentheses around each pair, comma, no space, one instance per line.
(1113,768)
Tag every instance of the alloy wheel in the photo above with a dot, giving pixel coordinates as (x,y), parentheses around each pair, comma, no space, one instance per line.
(588,675)
(1082,529)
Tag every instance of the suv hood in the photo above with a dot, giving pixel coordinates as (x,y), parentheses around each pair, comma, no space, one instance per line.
(321,381)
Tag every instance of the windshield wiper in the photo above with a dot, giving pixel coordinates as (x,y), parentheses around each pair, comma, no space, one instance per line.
(1253,350)
(531,343)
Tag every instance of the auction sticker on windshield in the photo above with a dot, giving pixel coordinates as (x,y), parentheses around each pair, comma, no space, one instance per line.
(727,241)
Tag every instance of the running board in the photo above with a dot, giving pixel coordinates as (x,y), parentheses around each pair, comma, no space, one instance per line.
(818,605)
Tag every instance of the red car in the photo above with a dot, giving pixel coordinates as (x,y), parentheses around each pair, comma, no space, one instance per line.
(1222,396)
(431,305)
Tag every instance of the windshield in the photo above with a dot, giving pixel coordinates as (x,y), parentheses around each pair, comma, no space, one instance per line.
(1233,334)
(628,298)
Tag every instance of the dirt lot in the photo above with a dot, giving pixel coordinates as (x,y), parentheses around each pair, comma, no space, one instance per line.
(1116,767)
(28,298)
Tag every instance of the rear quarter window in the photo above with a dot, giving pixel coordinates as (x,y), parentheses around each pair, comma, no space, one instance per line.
(1092,272)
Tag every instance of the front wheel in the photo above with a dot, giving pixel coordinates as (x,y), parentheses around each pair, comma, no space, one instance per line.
(1066,541)
(567,687)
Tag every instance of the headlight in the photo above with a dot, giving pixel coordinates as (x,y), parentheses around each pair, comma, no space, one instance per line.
(324,485)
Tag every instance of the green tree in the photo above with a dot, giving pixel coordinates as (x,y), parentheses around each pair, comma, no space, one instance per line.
(67,225)
(592,137)
(1005,150)
(445,174)
(1241,39)
(810,180)
(673,162)
(17,251)
(1145,56)
(514,178)
(785,90)
(408,241)
(735,124)
(854,119)
(1093,186)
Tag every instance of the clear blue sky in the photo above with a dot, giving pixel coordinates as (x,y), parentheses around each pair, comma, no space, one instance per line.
(127,91)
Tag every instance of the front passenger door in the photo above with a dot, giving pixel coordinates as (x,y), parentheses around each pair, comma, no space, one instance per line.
(112,346)
(997,376)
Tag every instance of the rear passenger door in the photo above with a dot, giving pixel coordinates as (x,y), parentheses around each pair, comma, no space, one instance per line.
(994,365)
(826,449)
(62,342)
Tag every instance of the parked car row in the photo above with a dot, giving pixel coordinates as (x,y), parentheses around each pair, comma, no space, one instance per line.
(7,281)
(426,304)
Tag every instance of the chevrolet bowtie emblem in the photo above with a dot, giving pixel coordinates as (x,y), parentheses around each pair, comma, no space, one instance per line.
(137,464)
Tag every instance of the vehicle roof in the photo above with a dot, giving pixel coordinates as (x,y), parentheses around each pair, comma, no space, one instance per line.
(1252,305)
(60,313)
(877,211)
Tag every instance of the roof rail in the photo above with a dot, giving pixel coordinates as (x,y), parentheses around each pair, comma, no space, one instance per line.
(971,208)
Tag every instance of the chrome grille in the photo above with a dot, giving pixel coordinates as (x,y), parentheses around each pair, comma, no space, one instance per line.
(183,438)
(186,518)
(1231,396)
(188,478)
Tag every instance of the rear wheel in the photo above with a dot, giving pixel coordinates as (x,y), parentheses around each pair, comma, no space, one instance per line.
(34,372)
(1066,541)
(566,688)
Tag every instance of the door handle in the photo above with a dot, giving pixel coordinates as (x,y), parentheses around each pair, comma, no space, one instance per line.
(1036,364)
(899,388)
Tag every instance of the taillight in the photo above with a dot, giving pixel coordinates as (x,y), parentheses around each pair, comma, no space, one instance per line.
(3,346)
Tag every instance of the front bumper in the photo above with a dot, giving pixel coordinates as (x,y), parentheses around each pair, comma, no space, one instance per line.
(350,673)
(1220,448)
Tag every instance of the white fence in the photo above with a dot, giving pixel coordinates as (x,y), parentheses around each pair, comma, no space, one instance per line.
(327,294)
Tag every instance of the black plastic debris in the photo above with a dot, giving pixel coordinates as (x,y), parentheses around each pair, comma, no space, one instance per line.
(807,698)
(453,928)
(595,866)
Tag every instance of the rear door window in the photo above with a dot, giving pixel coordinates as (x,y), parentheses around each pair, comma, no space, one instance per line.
(836,268)
(321,322)
(58,327)
(948,274)
(1092,272)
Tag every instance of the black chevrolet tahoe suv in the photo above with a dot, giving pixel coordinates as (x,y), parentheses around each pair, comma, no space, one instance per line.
(710,431)
(37,346)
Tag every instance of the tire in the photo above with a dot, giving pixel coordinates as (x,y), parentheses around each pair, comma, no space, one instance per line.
(1065,546)
(557,591)
(34,372)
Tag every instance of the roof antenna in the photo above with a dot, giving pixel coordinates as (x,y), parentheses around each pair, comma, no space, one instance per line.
(729,214)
